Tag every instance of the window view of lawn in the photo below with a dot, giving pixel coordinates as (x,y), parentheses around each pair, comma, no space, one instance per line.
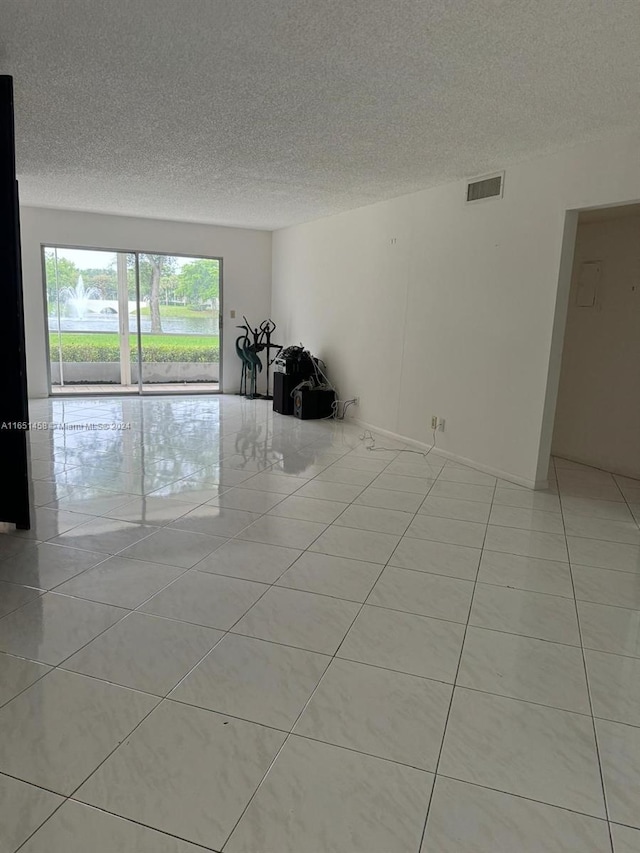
(171,301)
(103,347)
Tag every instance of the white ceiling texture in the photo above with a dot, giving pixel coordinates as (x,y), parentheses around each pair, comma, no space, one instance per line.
(264,113)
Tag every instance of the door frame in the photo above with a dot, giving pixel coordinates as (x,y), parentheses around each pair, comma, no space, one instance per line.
(118,391)
(563,288)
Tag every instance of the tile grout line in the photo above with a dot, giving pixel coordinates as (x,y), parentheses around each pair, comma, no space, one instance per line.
(453,692)
(363,604)
(290,733)
(587,682)
(332,658)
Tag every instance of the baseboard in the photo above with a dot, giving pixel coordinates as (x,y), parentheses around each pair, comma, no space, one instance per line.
(463,460)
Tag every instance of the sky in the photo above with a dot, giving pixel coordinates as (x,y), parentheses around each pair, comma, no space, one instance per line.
(88,259)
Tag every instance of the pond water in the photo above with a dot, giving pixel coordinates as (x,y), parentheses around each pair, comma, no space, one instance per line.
(109,323)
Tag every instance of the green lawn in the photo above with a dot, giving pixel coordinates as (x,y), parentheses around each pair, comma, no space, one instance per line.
(83,347)
(178,311)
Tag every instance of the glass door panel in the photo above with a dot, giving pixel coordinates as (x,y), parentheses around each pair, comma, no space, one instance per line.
(132,322)
(85,298)
(179,319)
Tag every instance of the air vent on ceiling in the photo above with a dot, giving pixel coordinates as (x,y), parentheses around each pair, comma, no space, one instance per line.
(490,186)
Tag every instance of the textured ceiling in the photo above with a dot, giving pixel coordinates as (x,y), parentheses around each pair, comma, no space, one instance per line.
(262,113)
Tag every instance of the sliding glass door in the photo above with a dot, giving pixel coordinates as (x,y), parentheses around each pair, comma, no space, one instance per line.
(179,320)
(131,322)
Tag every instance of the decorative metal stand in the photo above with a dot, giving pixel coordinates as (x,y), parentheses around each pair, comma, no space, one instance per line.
(248,349)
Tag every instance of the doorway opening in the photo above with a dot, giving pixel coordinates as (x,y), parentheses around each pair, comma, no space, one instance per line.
(595,419)
(132,322)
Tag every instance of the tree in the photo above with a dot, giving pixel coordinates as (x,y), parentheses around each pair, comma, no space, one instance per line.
(105,280)
(61,272)
(153,268)
(199,281)
(156,262)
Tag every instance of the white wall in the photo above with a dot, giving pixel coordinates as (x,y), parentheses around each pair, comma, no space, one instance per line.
(598,411)
(462,306)
(246,270)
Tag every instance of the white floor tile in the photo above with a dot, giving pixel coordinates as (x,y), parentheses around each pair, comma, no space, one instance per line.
(52,627)
(13,596)
(24,809)
(399,483)
(524,668)
(528,750)
(604,555)
(472,819)
(605,586)
(219,515)
(323,490)
(284,532)
(149,510)
(526,573)
(379,712)
(450,530)
(339,474)
(455,473)
(214,601)
(255,680)
(417,645)
(388,499)
(608,629)
(526,543)
(179,548)
(462,491)
(531,614)
(46,566)
(185,771)
(317,795)
(145,653)
(619,747)
(215,521)
(613,510)
(253,561)
(16,674)
(309,509)
(440,558)
(585,488)
(602,528)
(527,519)
(59,730)
(423,593)
(452,508)
(335,576)
(527,499)
(355,544)
(246,499)
(121,582)
(104,534)
(614,682)
(268,482)
(625,839)
(47,523)
(76,828)
(375,518)
(301,619)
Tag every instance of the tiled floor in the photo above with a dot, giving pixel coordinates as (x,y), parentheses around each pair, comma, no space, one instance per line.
(233,631)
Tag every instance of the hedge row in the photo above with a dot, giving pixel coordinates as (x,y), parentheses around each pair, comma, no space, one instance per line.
(160,352)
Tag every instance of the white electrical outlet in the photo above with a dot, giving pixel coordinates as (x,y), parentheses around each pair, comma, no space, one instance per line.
(434,422)
(441,425)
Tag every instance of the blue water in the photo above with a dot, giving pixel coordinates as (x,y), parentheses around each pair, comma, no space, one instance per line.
(109,323)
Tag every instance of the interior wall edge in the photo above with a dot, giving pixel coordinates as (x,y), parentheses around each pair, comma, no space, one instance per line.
(454,457)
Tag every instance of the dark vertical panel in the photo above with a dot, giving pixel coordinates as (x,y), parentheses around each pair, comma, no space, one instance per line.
(14,482)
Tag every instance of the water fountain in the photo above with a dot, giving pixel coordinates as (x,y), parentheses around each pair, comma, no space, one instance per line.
(78,297)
